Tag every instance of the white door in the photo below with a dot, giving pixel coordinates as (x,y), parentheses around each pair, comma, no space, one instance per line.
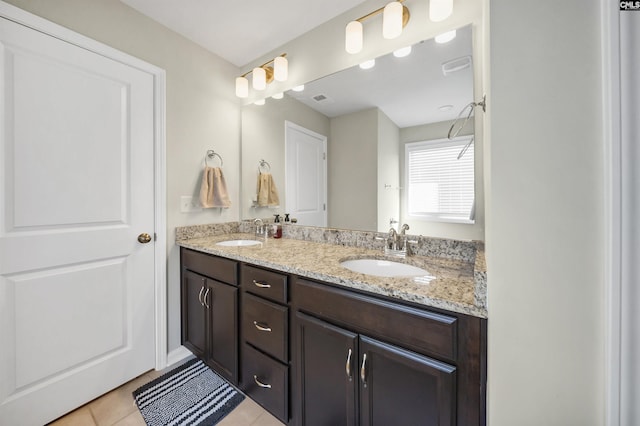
(305,175)
(76,190)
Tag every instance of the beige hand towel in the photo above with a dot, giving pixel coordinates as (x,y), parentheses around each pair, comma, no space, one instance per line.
(267,191)
(213,190)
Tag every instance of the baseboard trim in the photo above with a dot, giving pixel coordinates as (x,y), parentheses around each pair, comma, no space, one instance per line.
(177,356)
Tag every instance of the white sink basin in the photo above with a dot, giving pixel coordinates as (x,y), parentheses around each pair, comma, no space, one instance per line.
(383,268)
(238,243)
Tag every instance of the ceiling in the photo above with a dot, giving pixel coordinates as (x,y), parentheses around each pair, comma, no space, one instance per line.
(241,31)
(408,90)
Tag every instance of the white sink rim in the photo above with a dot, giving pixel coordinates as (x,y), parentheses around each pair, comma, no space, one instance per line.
(383,268)
(238,243)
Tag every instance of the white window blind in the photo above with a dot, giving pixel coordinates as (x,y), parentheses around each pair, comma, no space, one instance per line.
(439,185)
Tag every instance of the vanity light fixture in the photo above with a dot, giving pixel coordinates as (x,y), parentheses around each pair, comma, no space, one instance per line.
(439,10)
(259,102)
(278,95)
(445,37)
(275,69)
(395,17)
(298,88)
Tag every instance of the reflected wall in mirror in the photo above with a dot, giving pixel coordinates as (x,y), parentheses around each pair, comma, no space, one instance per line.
(367,116)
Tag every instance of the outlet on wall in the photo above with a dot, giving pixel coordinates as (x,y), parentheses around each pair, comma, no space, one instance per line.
(189,205)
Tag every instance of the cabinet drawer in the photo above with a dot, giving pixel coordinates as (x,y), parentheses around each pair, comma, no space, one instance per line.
(215,267)
(266,326)
(266,381)
(267,284)
(425,332)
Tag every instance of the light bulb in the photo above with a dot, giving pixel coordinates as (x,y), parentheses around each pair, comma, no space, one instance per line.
(353,37)
(242,87)
(298,88)
(392,20)
(259,78)
(445,37)
(439,10)
(280,68)
(259,102)
(368,64)
(278,95)
(401,53)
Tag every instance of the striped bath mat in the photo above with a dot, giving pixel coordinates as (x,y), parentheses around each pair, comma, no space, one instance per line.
(191,394)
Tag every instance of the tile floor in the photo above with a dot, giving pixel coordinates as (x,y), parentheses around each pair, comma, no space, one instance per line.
(117,408)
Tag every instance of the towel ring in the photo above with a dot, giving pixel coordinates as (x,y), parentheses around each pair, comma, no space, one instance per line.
(264,167)
(211,154)
(461,121)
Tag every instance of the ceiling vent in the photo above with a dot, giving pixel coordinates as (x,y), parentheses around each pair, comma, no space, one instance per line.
(455,65)
(324,99)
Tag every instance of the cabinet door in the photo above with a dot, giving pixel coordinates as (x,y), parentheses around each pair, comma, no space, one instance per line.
(194,312)
(221,301)
(327,373)
(399,387)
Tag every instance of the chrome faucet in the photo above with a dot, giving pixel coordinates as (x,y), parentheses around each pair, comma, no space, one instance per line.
(396,243)
(260,228)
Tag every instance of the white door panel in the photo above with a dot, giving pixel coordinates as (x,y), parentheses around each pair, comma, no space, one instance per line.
(306,181)
(76,189)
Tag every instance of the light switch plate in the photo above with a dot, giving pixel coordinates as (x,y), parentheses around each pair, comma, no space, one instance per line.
(189,205)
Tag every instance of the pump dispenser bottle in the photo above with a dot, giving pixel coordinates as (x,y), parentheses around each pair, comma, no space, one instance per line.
(277,227)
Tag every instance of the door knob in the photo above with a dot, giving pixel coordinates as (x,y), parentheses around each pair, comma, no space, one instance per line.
(144,238)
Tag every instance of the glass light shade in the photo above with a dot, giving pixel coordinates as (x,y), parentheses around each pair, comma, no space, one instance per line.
(280,68)
(401,53)
(278,95)
(368,64)
(242,87)
(392,20)
(439,10)
(353,37)
(259,102)
(298,88)
(259,78)
(445,37)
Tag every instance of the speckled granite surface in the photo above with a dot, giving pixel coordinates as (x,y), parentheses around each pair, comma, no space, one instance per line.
(452,284)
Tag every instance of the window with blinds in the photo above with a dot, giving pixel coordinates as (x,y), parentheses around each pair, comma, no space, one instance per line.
(440,186)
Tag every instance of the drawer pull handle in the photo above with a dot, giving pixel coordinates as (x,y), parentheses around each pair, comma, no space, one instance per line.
(259,383)
(348,366)
(261,327)
(200,295)
(206,294)
(363,371)
(261,284)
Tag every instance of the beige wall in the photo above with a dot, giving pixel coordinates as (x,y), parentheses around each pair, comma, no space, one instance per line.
(545,214)
(263,137)
(202,111)
(352,170)
(388,171)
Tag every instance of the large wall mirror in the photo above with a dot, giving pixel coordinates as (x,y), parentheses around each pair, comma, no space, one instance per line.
(364,118)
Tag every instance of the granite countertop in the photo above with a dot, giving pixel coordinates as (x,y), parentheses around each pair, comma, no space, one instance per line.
(454,285)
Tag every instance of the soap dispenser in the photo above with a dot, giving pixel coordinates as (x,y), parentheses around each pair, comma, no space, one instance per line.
(277,227)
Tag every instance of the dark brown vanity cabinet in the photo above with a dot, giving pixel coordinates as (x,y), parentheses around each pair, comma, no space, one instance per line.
(265,337)
(361,360)
(209,297)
